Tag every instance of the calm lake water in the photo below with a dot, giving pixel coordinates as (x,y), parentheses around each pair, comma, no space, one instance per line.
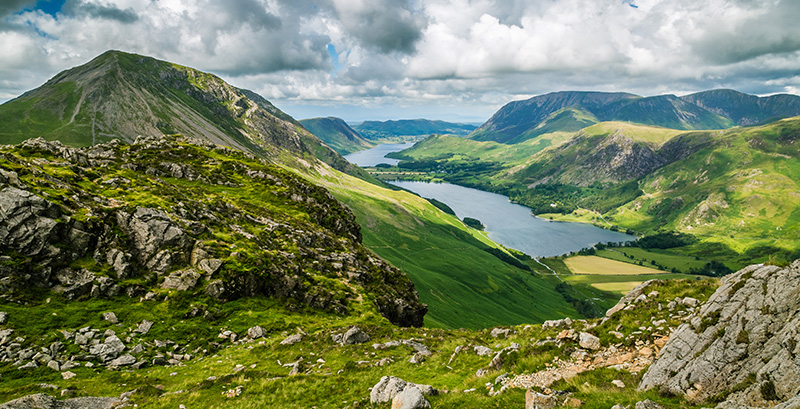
(374,156)
(513,225)
(509,224)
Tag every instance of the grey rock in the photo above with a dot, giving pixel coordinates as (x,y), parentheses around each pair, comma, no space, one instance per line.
(210,266)
(690,302)
(562,323)
(354,336)
(144,327)
(588,341)
(215,289)
(120,262)
(482,350)
(386,389)
(44,401)
(500,332)
(417,358)
(74,283)
(29,365)
(410,398)
(123,360)
(110,317)
(3,317)
(255,332)
(181,280)
(292,339)
(54,365)
(159,242)
(750,325)
(108,350)
(536,400)
(647,404)
(81,339)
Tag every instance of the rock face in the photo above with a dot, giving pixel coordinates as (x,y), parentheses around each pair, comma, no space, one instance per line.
(743,345)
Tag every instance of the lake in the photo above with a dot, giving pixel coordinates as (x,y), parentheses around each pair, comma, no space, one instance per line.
(507,223)
(513,225)
(374,156)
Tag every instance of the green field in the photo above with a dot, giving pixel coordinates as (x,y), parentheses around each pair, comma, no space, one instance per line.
(664,258)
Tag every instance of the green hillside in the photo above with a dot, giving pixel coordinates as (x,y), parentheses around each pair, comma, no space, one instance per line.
(337,134)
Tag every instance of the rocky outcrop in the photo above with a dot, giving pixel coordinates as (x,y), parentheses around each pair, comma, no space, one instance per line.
(44,401)
(742,347)
(86,242)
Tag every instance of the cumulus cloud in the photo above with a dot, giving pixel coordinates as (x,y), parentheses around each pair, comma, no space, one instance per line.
(457,53)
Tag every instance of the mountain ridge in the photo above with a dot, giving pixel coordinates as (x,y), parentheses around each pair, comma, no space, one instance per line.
(517,121)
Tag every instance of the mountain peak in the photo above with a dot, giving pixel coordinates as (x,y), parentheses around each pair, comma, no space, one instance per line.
(120,95)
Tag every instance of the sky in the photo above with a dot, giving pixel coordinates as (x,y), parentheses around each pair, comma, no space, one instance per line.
(455,60)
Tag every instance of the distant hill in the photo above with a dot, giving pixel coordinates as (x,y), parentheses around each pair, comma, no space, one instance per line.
(119,95)
(744,109)
(410,128)
(569,111)
(337,134)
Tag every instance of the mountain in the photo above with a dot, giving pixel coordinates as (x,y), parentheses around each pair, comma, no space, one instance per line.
(519,117)
(449,261)
(337,134)
(744,109)
(718,109)
(121,96)
(410,128)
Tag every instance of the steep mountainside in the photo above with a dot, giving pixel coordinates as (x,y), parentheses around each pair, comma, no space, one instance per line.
(744,109)
(718,109)
(410,128)
(120,96)
(166,215)
(337,134)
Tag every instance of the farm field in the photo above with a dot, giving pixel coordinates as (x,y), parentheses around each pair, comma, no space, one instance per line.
(663,258)
(612,275)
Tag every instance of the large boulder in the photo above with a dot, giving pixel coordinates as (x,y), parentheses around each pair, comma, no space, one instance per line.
(743,343)
(354,336)
(410,398)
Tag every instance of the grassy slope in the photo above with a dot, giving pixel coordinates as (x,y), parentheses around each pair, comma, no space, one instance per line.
(344,375)
(741,193)
(463,285)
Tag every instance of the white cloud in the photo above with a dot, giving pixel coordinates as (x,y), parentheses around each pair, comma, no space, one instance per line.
(457,53)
